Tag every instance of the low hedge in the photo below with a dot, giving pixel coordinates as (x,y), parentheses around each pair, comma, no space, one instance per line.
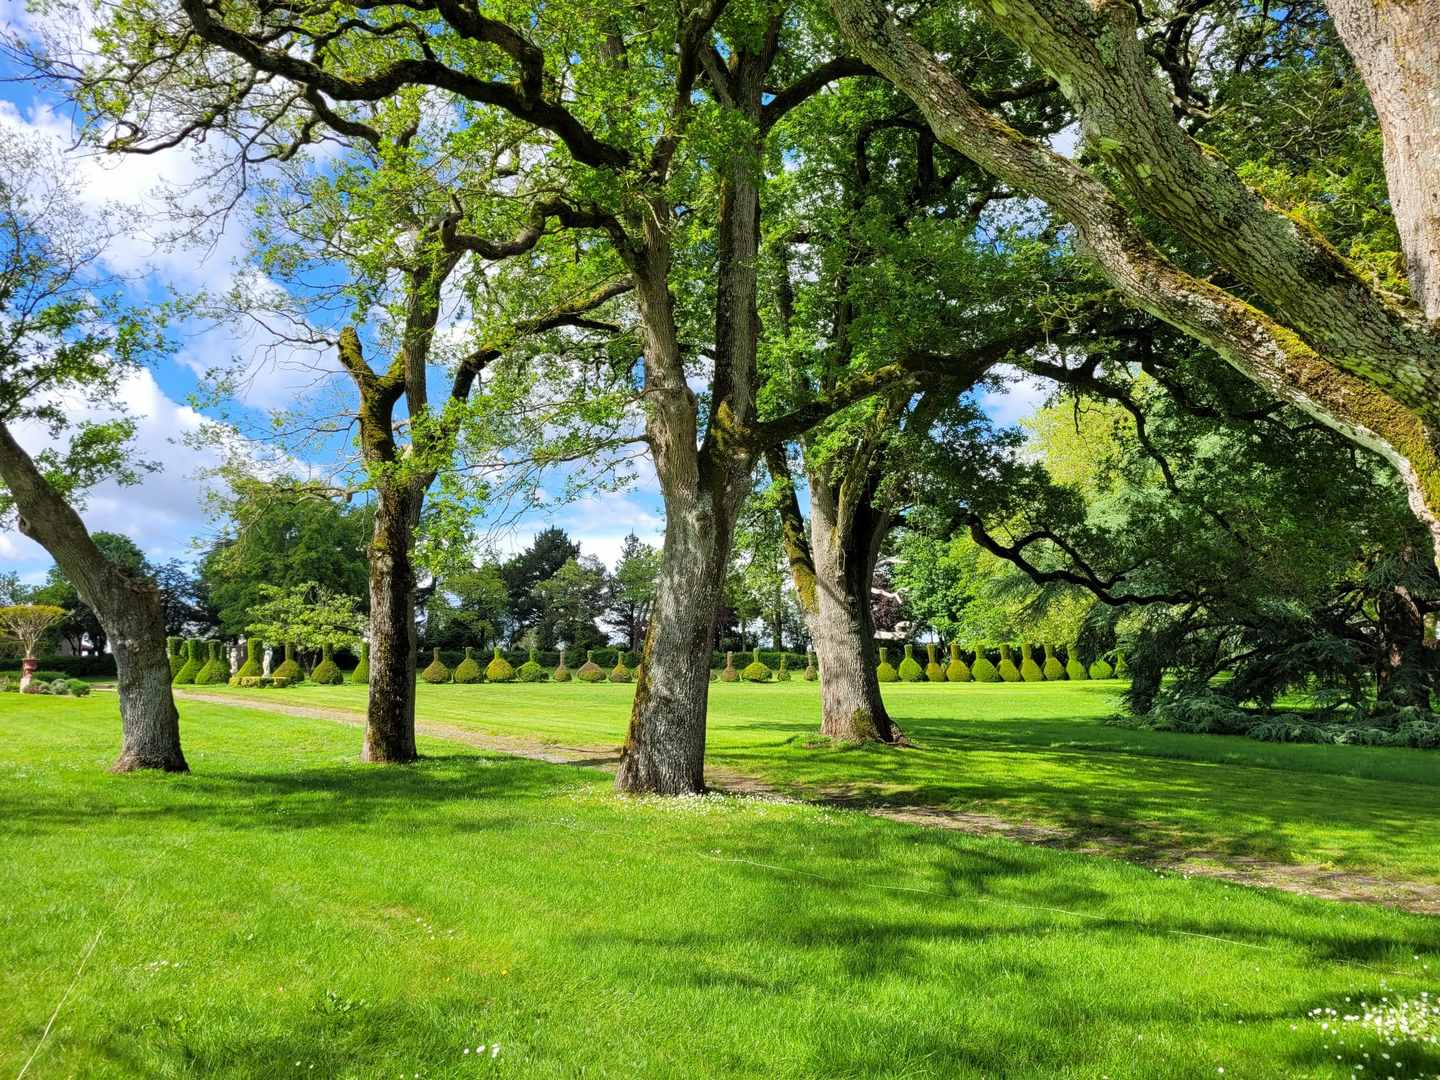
(72,667)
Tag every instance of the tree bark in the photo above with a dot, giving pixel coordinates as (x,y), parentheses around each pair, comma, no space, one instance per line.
(132,612)
(390,710)
(1334,349)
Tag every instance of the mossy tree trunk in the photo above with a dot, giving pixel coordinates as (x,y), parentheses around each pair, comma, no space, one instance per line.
(1328,342)
(131,612)
(1408,663)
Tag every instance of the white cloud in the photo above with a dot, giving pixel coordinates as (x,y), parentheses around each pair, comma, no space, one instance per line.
(1022,395)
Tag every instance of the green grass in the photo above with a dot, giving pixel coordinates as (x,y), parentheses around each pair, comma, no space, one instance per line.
(287,911)
(1026,753)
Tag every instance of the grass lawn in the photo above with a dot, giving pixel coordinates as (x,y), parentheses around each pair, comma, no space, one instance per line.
(1033,753)
(287,911)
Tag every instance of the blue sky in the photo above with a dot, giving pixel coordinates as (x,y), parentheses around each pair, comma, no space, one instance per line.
(166,513)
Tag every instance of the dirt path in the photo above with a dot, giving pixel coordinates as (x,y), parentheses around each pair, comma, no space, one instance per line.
(1306,880)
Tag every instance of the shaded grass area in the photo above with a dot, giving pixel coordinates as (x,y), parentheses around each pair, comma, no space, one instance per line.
(1026,753)
(287,911)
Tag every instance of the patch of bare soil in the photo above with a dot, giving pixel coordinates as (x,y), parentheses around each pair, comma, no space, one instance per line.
(1159,853)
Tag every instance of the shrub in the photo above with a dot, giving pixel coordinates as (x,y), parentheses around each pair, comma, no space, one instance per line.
(176,648)
(79,687)
(812,673)
(1073,667)
(562,673)
(1101,670)
(1121,671)
(193,663)
(728,672)
(984,669)
(782,673)
(590,671)
(757,670)
(531,671)
(216,670)
(437,672)
(499,669)
(885,671)
(910,669)
(361,674)
(289,669)
(620,673)
(1054,670)
(8,685)
(957,670)
(468,670)
(327,672)
(251,667)
(933,671)
(1029,669)
(1008,671)
(278,681)
(59,687)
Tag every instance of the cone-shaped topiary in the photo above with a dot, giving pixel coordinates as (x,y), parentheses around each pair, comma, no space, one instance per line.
(1121,671)
(562,673)
(728,673)
(437,672)
(468,670)
(251,668)
(933,671)
(499,669)
(530,670)
(1008,671)
(361,674)
(984,670)
(216,670)
(1053,669)
(885,671)
(620,673)
(590,671)
(1073,667)
(957,670)
(1029,669)
(327,672)
(194,661)
(290,669)
(782,673)
(756,670)
(812,673)
(176,648)
(910,669)
(1101,670)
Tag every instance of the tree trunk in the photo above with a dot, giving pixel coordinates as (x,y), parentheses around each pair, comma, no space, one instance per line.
(842,625)
(1406,667)
(132,612)
(390,712)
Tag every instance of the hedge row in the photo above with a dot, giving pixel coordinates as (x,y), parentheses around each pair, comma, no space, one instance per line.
(75,667)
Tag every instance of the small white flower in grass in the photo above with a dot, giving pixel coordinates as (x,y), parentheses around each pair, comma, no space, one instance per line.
(495,1050)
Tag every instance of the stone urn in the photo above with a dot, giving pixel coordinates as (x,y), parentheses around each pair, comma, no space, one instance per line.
(28,667)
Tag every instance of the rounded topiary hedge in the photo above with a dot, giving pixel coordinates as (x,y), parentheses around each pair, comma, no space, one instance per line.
(956,670)
(1121,671)
(757,670)
(468,670)
(1053,669)
(984,670)
(437,672)
(934,671)
(327,672)
(812,671)
(175,647)
(530,670)
(590,671)
(782,673)
(910,669)
(499,669)
(728,672)
(1029,669)
(1008,671)
(620,673)
(1101,670)
(1073,667)
(562,673)
(361,674)
(290,669)
(216,671)
(251,668)
(194,661)
(885,671)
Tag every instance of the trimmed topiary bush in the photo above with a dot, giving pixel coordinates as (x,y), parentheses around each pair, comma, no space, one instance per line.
(1121,671)
(176,648)
(437,672)
(60,688)
(956,670)
(984,670)
(499,669)
(289,670)
(193,663)
(1101,670)
(590,671)
(1053,669)
(1029,669)
(620,673)
(216,671)
(468,670)
(812,672)
(782,673)
(728,672)
(756,671)
(562,673)
(1073,667)
(251,668)
(361,674)
(1008,671)
(910,669)
(933,671)
(531,671)
(79,688)
(327,672)
(885,671)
